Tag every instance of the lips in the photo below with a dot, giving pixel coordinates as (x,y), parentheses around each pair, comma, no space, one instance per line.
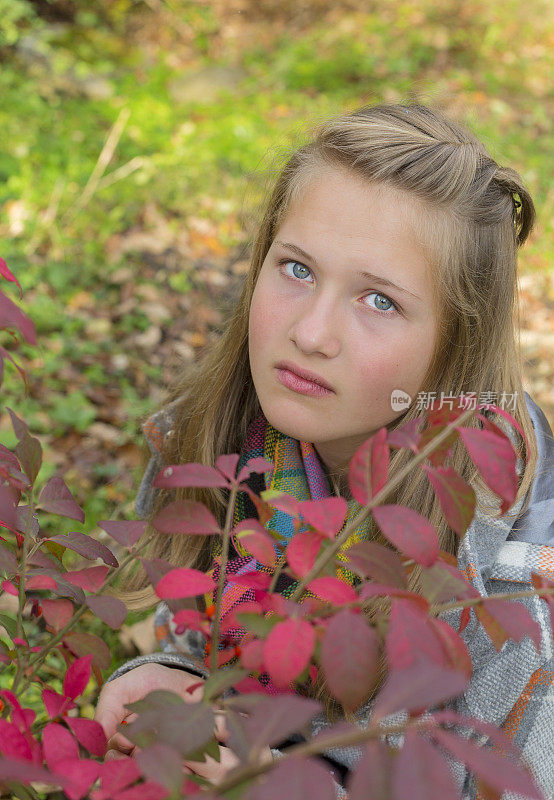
(305,373)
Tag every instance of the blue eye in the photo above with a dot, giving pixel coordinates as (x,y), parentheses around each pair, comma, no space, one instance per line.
(301,271)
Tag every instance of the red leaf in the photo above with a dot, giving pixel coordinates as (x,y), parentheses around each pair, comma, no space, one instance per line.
(145,791)
(191,474)
(27,773)
(56,498)
(38,582)
(254,580)
(508,619)
(227,465)
(443,582)
(29,452)
(85,546)
(186,516)
(12,742)
(9,276)
(80,774)
(287,503)
(58,744)
(349,657)
(369,467)
(111,610)
(326,515)
(495,458)
(410,638)
(184,582)
(255,465)
(57,613)
(498,771)
(421,771)
(409,531)
(455,649)
(302,552)
(89,733)
(295,779)
(8,513)
(12,317)
(333,590)
(252,655)
(371,777)
(288,649)
(77,677)
(82,644)
(117,775)
(438,456)
(421,686)
(456,497)
(273,719)
(464,618)
(163,762)
(254,538)
(10,588)
(373,560)
(126,532)
(56,703)
(90,578)
(190,618)
(407,435)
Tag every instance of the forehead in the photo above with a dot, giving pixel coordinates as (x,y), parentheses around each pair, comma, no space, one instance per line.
(341,219)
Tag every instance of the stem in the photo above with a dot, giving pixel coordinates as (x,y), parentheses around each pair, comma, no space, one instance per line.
(330,552)
(222,574)
(314,748)
(26,539)
(21,597)
(278,568)
(473,601)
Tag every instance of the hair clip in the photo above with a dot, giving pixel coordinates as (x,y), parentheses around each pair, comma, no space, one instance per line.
(517,206)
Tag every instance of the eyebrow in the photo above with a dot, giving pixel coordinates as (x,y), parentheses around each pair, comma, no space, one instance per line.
(369,275)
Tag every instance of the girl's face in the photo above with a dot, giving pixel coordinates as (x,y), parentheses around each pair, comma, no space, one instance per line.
(362,335)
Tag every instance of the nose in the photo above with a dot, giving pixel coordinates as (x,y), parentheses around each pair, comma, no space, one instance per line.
(316,329)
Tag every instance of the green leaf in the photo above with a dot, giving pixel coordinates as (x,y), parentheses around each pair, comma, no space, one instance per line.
(221,680)
(261,626)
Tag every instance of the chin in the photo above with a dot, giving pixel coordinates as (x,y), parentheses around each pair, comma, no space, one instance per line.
(302,424)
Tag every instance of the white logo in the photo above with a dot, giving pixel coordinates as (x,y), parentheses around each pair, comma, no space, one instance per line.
(399,400)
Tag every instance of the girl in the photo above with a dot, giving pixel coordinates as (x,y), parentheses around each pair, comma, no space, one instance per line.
(385,267)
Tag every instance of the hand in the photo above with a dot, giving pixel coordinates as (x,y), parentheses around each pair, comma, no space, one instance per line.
(216,772)
(133,686)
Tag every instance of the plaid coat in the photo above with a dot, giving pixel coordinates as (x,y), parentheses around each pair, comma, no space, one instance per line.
(513,688)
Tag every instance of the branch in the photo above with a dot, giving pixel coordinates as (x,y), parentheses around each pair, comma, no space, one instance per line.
(221,583)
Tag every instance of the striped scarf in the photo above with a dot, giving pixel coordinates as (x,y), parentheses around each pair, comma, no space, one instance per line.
(298,472)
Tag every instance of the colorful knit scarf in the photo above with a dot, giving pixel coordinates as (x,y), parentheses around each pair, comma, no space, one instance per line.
(298,472)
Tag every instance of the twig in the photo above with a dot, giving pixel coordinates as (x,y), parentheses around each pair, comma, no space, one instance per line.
(21,595)
(221,582)
(122,172)
(438,608)
(104,159)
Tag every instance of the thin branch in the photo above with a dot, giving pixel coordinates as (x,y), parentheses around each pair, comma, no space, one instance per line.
(222,575)
(104,159)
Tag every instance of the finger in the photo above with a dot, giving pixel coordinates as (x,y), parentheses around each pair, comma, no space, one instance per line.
(210,769)
(119,741)
(221,732)
(111,754)
(108,716)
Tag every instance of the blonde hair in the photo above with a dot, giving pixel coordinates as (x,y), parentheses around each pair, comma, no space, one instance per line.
(463,208)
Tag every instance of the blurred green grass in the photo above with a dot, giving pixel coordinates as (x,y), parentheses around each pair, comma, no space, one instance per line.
(207,124)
